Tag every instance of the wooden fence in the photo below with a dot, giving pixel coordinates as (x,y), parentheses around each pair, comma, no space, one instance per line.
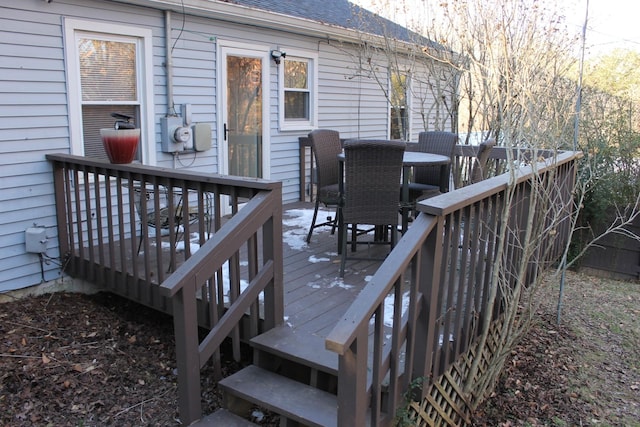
(616,256)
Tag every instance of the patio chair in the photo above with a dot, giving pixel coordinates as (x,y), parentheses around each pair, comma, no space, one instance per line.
(428,178)
(428,181)
(326,146)
(155,214)
(479,168)
(145,205)
(373,170)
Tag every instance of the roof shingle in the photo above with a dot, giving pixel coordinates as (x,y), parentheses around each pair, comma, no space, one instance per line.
(341,13)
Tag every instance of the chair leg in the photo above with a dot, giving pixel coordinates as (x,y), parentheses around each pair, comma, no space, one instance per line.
(335,222)
(141,237)
(354,237)
(394,236)
(313,221)
(343,259)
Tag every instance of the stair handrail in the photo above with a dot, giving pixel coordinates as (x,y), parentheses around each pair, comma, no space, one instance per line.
(100,238)
(353,328)
(262,210)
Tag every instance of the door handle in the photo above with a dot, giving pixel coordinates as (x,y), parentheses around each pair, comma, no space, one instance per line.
(225,131)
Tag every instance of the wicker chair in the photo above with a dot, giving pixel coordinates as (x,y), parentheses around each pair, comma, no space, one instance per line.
(479,169)
(428,181)
(428,178)
(326,146)
(373,170)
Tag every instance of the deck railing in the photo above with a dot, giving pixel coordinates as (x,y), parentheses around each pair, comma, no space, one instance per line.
(173,240)
(437,280)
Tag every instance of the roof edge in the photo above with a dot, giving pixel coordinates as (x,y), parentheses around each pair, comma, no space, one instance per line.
(231,12)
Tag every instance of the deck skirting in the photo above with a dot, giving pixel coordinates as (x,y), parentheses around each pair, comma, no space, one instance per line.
(445,403)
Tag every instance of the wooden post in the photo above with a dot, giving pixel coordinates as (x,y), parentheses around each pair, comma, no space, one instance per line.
(185,325)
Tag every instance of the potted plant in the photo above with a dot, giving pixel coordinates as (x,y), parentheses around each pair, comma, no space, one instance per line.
(121,142)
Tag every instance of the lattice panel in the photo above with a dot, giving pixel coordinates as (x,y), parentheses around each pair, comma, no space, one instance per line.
(445,404)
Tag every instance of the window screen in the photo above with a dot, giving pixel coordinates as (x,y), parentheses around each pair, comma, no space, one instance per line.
(109,83)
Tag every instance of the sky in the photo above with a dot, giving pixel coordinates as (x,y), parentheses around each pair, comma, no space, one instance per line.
(611,23)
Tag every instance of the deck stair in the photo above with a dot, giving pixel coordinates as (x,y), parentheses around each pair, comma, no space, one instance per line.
(223,417)
(288,344)
(293,400)
(293,375)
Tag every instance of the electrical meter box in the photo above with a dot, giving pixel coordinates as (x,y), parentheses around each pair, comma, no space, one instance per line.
(175,135)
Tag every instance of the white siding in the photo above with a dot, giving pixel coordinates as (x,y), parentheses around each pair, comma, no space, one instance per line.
(34,121)
(424,103)
(34,113)
(194,82)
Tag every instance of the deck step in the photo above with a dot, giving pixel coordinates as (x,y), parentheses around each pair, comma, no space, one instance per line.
(291,399)
(303,348)
(223,417)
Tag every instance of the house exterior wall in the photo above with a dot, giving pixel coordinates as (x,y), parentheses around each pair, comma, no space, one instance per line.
(35,120)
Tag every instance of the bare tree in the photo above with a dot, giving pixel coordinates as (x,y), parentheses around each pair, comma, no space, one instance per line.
(512,64)
(417,84)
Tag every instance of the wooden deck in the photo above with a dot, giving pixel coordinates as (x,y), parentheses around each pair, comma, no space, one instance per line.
(286,297)
(315,296)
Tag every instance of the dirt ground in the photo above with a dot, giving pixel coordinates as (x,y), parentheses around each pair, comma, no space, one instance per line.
(94,360)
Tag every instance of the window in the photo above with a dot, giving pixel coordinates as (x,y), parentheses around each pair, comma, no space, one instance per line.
(399,107)
(107,73)
(108,84)
(297,94)
(296,90)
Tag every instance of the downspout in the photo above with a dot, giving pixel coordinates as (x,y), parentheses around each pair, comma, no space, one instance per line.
(169,70)
(168,62)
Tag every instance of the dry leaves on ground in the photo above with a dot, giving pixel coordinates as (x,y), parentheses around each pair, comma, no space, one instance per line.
(96,360)
(584,371)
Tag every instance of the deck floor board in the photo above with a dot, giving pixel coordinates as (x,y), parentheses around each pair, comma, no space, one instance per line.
(315,296)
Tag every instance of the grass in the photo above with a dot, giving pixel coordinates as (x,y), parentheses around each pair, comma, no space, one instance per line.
(604,314)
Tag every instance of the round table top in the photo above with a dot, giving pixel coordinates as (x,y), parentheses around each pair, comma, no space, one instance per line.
(417,158)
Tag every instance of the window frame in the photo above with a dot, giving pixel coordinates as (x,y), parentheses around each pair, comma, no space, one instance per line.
(74,29)
(312,75)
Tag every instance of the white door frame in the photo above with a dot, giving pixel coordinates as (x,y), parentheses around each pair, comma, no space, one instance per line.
(226,47)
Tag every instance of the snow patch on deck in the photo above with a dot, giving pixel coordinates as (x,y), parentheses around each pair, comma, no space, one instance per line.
(297,222)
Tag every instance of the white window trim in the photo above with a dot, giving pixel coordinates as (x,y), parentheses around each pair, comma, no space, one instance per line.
(297,125)
(145,70)
(409,106)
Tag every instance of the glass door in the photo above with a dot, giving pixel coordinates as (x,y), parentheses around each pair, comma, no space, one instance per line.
(244,112)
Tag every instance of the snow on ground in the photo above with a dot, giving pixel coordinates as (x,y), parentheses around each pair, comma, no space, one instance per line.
(297,222)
